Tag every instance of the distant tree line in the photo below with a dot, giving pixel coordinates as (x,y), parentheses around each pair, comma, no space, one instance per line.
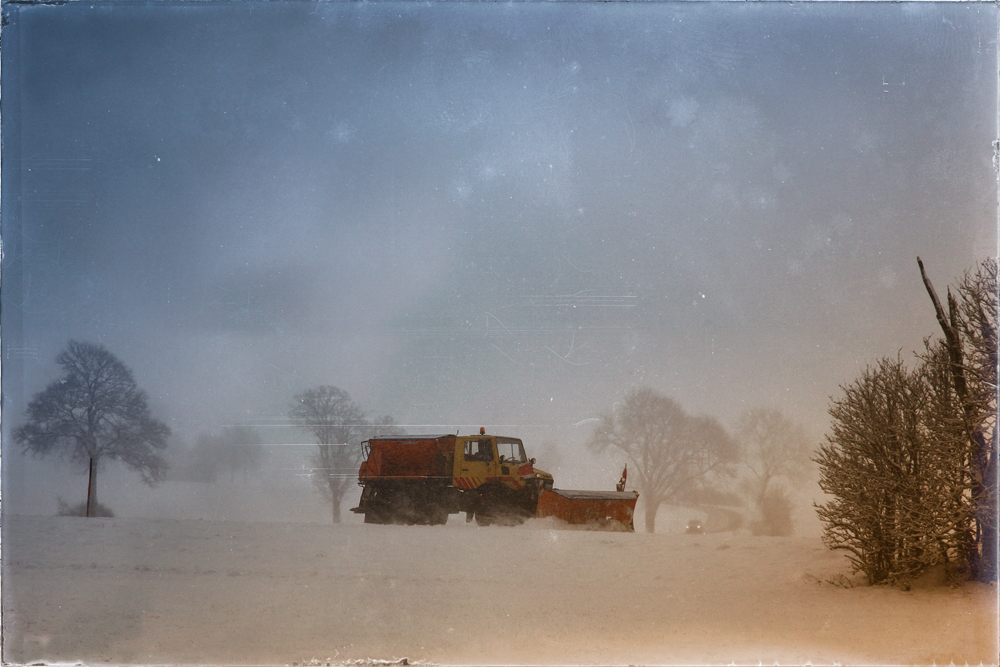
(235,450)
(95,413)
(911,459)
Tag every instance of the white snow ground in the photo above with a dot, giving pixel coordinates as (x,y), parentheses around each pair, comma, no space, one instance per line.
(188,591)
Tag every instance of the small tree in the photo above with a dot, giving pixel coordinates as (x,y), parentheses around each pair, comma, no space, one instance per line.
(894,469)
(774,450)
(95,413)
(338,425)
(669,451)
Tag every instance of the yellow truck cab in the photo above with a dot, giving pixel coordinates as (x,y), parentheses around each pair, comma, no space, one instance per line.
(506,480)
(487,458)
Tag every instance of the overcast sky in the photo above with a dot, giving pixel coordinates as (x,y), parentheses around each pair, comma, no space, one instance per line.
(488,214)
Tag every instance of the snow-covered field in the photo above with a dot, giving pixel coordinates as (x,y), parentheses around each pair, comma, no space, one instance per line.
(184,591)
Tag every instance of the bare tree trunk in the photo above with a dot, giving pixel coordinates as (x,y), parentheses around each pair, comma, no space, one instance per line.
(650,511)
(336,509)
(758,508)
(986,518)
(92,489)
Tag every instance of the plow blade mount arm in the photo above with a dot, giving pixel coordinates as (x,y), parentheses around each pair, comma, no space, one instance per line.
(598,510)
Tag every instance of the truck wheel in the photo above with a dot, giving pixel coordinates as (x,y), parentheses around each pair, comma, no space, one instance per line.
(498,507)
(438,515)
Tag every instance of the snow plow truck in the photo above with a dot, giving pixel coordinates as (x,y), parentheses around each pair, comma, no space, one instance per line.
(421,479)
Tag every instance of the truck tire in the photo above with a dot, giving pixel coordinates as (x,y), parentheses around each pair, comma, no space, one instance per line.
(438,515)
(407,505)
(500,506)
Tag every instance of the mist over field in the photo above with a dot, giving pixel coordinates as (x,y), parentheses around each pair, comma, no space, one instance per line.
(471,215)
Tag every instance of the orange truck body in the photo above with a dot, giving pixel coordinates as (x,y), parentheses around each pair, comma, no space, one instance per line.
(421,479)
(419,457)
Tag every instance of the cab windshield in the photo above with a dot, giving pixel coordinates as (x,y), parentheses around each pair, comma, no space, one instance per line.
(511,449)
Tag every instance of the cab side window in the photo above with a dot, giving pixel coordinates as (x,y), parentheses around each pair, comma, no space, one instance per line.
(478,450)
(511,450)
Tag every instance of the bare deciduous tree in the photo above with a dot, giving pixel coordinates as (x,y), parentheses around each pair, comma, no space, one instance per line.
(970,344)
(774,449)
(95,413)
(338,425)
(894,470)
(667,449)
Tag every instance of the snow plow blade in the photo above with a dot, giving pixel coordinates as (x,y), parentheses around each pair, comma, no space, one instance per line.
(597,510)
